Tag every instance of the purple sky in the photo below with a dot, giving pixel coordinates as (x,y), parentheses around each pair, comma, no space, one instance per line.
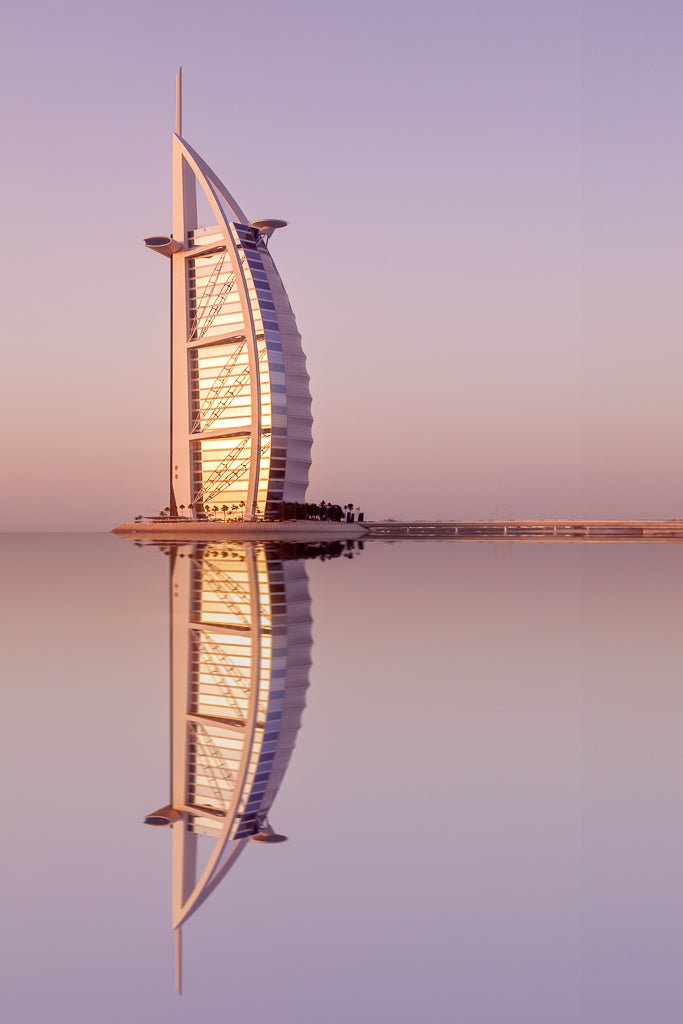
(483,254)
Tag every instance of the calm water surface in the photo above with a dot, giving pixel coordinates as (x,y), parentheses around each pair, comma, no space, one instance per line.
(483,805)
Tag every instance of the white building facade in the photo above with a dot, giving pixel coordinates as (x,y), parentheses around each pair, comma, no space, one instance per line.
(240,661)
(240,400)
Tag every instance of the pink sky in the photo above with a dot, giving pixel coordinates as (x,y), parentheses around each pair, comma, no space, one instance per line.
(483,253)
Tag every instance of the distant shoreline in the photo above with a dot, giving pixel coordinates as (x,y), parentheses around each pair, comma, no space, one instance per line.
(533,529)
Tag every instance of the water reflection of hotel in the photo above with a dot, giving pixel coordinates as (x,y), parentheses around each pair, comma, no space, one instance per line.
(240,660)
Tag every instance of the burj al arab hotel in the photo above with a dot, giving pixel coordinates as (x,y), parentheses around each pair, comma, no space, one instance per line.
(240,400)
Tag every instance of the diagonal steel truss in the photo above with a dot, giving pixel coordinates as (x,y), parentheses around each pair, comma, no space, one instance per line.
(223,390)
(215,399)
(226,472)
(232,595)
(213,298)
(230,678)
(220,775)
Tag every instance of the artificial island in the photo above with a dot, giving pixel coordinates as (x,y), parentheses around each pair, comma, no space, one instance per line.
(240,402)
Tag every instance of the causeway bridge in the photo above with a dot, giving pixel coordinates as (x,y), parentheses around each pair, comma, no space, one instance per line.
(531,529)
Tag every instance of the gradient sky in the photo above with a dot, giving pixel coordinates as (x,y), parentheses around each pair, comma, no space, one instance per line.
(484,247)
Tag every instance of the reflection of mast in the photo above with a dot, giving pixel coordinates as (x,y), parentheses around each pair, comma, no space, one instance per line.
(240,658)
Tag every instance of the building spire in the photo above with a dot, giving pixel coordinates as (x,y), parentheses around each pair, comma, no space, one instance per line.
(179,102)
(178,961)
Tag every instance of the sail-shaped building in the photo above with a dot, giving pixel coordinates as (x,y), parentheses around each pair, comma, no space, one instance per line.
(240,662)
(240,401)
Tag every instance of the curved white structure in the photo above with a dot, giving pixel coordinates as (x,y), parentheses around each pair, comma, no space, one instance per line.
(240,661)
(240,401)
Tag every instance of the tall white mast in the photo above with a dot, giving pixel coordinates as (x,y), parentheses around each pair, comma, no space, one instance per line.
(179,102)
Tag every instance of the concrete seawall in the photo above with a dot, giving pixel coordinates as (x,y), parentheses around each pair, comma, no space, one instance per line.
(305,530)
(301,530)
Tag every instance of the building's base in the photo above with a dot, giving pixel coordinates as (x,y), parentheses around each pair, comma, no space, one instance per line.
(299,531)
(304,531)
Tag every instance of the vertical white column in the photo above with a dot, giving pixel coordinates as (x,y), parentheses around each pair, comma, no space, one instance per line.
(184,220)
(184,842)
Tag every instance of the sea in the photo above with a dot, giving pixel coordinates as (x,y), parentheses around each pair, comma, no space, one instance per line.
(481,797)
